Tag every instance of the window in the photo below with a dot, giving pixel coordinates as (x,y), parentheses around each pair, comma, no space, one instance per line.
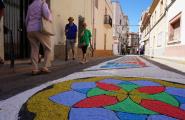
(161,7)
(96,4)
(160,39)
(155,17)
(105,11)
(174,29)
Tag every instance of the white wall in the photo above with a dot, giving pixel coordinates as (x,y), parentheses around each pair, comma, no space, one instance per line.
(159,32)
(119,33)
(176,8)
(63,9)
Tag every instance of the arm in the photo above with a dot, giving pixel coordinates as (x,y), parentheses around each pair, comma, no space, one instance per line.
(90,35)
(76,33)
(66,29)
(91,42)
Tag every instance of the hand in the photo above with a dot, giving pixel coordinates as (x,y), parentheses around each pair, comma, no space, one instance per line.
(82,33)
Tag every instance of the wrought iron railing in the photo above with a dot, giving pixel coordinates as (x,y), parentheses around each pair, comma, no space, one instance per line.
(108,20)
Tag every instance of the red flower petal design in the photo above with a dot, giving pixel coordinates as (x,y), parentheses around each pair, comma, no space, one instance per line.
(109,87)
(164,108)
(96,101)
(137,63)
(151,89)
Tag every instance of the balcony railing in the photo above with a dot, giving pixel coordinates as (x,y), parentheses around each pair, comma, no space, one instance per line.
(108,20)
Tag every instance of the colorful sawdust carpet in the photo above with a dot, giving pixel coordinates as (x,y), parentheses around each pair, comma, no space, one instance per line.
(123,63)
(112,99)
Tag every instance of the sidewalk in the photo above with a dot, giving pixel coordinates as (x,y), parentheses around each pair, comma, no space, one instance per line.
(21,79)
(25,66)
(180,66)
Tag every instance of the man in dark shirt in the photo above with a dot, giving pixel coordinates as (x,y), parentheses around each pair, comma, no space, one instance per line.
(71,35)
(1,9)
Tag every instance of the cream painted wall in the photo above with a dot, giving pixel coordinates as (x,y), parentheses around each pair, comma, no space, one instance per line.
(1,40)
(101,29)
(63,9)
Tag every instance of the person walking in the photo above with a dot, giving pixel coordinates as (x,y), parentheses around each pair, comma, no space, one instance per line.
(71,35)
(36,10)
(85,41)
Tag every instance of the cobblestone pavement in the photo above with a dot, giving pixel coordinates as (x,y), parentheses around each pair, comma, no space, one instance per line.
(126,88)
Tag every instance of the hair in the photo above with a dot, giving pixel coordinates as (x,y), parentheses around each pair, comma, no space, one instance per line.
(84,24)
(70,18)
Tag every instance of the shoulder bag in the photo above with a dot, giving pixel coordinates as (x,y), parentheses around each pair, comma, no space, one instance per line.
(46,26)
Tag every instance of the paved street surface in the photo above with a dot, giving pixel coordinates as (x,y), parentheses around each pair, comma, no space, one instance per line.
(21,80)
(125,88)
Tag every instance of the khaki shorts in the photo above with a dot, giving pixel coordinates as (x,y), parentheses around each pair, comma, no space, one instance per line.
(70,44)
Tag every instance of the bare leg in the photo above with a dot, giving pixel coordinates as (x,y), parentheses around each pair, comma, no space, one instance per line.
(73,52)
(68,53)
(85,58)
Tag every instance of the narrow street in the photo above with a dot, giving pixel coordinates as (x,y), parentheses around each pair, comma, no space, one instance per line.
(128,87)
(21,80)
(92,60)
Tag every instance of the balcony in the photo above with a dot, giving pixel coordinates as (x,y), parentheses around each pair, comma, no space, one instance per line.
(108,21)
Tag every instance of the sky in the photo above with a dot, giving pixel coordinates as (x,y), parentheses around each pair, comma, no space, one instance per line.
(134,8)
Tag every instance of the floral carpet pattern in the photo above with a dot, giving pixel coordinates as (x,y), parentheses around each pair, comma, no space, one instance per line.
(123,63)
(111,98)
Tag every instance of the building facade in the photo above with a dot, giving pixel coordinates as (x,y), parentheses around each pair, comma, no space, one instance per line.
(98,16)
(175,45)
(102,27)
(133,43)
(120,29)
(96,13)
(144,33)
(162,28)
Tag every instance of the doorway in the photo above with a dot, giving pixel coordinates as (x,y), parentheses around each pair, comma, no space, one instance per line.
(14,20)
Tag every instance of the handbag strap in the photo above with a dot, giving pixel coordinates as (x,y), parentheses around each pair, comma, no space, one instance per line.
(42,11)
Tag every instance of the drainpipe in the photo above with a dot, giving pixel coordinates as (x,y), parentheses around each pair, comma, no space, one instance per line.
(93,22)
(93,25)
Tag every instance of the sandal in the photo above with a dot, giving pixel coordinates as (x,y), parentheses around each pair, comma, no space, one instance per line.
(35,72)
(45,71)
(1,61)
(81,62)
